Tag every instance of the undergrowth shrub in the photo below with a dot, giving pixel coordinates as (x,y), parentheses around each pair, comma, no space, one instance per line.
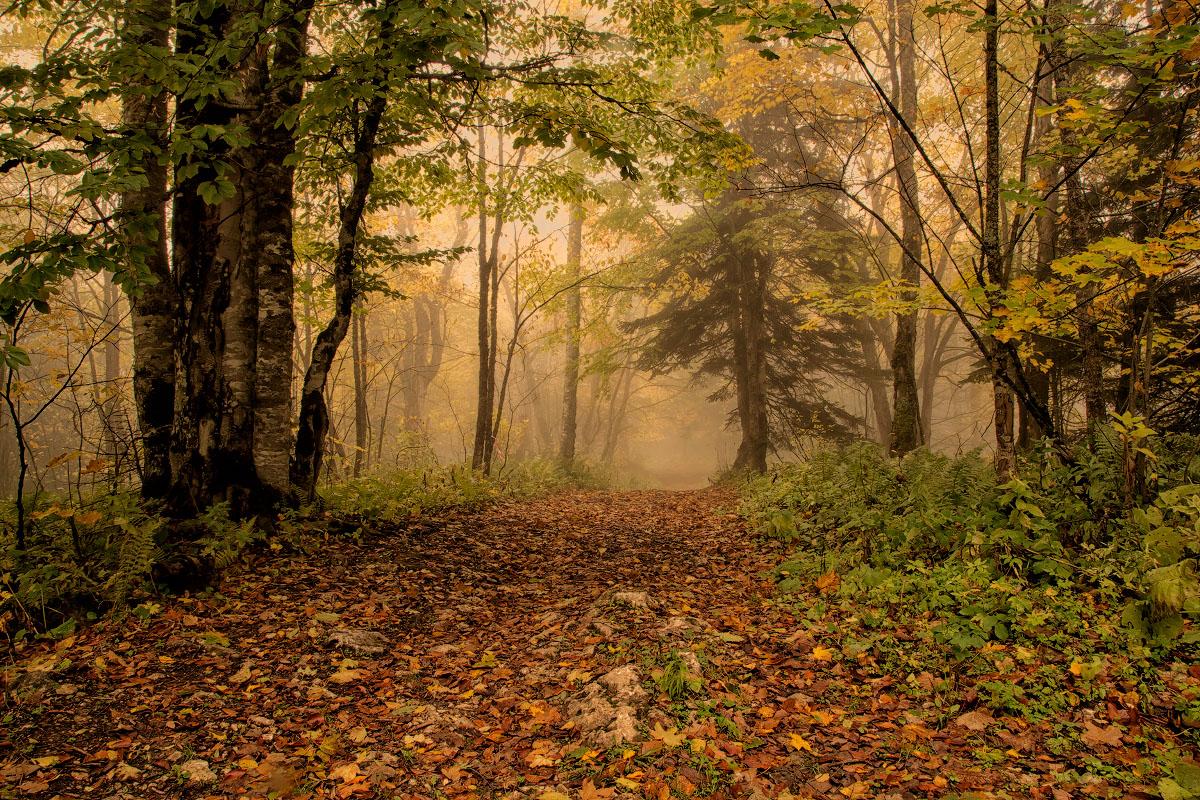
(400,494)
(85,555)
(1033,560)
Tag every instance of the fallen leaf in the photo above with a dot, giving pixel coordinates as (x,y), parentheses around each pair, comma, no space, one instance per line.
(798,742)
(344,676)
(975,720)
(1094,736)
(671,737)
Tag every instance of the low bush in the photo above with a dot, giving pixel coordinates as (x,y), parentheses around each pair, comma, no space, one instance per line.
(400,494)
(1052,580)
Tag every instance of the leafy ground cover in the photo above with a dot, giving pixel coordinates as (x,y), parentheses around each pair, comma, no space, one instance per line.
(580,645)
(90,553)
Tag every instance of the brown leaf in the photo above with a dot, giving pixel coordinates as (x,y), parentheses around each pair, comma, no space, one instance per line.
(1095,736)
(975,720)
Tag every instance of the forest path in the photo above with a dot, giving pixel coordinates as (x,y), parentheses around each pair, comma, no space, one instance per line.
(425,663)
(582,645)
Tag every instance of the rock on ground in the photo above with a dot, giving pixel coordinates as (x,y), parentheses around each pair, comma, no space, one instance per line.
(608,709)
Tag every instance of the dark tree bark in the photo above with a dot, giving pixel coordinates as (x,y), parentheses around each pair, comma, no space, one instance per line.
(993,267)
(233,261)
(314,412)
(1047,250)
(154,308)
(566,448)
(1091,374)
(905,433)
(203,471)
(274,256)
(751,363)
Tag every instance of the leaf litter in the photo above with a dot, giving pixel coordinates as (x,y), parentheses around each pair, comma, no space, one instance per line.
(584,645)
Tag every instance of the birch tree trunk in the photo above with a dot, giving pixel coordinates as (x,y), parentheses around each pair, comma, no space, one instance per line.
(154,308)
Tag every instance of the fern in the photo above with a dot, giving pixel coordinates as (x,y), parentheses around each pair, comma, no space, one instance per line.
(137,554)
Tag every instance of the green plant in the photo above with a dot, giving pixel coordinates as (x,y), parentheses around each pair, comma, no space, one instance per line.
(225,538)
(675,678)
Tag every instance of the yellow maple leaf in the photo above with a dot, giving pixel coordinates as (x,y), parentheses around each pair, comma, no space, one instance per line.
(822,653)
(798,742)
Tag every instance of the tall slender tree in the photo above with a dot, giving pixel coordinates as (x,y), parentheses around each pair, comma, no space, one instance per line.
(573,333)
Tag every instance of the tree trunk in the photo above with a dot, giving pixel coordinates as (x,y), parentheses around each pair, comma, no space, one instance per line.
(876,382)
(233,261)
(154,308)
(203,472)
(616,414)
(906,433)
(993,268)
(496,408)
(751,369)
(1047,250)
(114,417)
(938,333)
(483,405)
(358,342)
(275,257)
(8,446)
(1087,327)
(566,449)
(314,411)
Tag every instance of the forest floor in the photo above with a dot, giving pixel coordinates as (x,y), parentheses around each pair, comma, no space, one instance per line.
(582,645)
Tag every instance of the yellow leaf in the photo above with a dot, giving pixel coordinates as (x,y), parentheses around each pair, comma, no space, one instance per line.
(668,736)
(822,653)
(345,773)
(343,676)
(856,790)
(798,742)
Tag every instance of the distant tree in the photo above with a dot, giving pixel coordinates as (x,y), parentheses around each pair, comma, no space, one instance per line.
(731,304)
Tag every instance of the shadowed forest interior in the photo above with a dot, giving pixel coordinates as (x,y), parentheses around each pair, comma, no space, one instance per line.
(884,318)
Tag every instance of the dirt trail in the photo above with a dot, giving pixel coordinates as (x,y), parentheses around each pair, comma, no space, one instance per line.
(422,663)
(584,645)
